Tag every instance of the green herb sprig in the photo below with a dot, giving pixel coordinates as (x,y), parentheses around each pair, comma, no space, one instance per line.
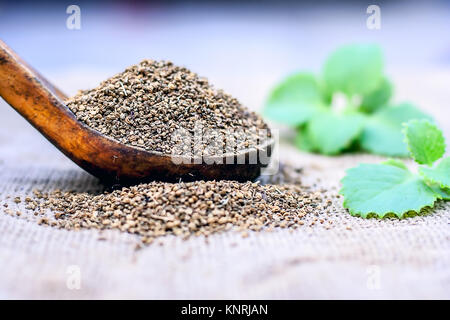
(367,119)
(391,188)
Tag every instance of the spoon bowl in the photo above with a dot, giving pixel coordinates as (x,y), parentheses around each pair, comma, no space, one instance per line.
(42,104)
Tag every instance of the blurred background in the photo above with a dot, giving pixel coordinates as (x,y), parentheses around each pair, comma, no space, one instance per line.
(244,47)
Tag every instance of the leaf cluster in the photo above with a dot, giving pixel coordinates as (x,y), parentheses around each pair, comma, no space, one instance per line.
(391,188)
(347,106)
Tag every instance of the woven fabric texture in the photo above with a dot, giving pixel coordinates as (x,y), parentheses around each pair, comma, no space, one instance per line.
(341,257)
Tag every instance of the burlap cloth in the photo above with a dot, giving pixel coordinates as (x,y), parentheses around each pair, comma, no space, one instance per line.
(343,257)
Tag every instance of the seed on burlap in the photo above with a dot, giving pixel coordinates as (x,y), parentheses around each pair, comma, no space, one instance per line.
(182,209)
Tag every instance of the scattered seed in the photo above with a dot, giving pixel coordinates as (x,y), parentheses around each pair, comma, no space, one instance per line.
(158,209)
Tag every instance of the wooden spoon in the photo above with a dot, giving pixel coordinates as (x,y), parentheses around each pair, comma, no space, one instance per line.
(42,104)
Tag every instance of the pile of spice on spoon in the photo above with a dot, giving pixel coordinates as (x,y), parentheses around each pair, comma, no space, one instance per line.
(149,103)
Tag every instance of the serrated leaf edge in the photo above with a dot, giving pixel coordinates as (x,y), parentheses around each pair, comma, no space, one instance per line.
(400,215)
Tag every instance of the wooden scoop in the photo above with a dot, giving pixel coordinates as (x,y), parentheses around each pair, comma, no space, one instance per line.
(42,104)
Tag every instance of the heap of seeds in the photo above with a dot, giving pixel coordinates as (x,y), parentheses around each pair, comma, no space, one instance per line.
(183,209)
(148,103)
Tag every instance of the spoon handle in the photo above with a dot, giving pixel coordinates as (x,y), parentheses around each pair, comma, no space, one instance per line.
(39,102)
(8,55)
(35,98)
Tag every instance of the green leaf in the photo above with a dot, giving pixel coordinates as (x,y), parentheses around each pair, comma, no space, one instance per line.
(425,141)
(295,100)
(444,194)
(396,163)
(330,133)
(384,188)
(354,69)
(383,131)
(377,98)
(302,141)
(440,174)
